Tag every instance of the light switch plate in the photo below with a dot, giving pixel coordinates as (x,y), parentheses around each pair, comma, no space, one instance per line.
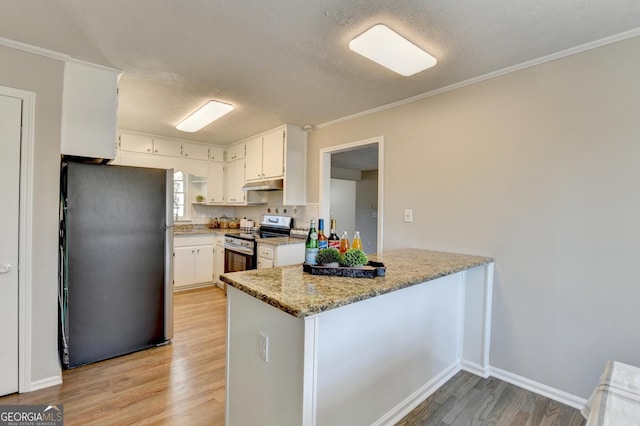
(408,215)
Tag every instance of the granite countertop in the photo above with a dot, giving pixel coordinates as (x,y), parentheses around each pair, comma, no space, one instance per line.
(279,241)
(201,229)
(301,294)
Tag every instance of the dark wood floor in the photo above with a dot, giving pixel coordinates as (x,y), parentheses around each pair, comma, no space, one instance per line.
(467,399)
(184,384)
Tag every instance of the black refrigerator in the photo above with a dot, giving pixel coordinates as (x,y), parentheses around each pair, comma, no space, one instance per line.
(116,251)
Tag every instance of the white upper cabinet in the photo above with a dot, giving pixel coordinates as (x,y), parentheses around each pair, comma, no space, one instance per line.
(216,153)
(235,152)
(89,110)
(195,151)
(253,160)
(215,185)
(167,147)
(273,154)
(265,156)
(234,180)
(132,142)
(280,154)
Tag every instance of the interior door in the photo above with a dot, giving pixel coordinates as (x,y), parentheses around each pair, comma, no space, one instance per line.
(10,119)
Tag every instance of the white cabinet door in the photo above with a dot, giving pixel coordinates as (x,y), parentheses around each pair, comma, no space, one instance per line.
(216,153)
(264,263)
(218,258)
(215,185)
(89,110)
(203,271)
(253,159)
(229,182)
(195,151)
(273,155)
(183,266)
(235,152)
(136,143)
(234,180)
(240,181)
(167,147)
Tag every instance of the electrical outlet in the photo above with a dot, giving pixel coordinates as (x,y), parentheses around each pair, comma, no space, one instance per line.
(263,346)
(408,215)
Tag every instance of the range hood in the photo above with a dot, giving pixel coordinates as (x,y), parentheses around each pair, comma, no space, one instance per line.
(264,185)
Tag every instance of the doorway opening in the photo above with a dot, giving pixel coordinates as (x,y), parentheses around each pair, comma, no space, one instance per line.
(351,189)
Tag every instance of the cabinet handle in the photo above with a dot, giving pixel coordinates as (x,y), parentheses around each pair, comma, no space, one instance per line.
(186,154)
(156,151)
(193,251)
(148,149)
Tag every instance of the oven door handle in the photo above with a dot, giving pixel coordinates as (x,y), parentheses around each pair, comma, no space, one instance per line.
(241,250)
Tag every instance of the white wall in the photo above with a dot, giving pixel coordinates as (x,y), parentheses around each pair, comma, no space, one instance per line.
(539,169)
(44,77)
(343,207)
(366,210)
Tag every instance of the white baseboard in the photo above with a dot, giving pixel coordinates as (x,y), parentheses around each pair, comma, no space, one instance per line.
(45,383)
(539,388)
(412,401)
(474,368)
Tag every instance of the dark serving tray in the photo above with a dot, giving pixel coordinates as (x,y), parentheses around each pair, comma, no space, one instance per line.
(370,270)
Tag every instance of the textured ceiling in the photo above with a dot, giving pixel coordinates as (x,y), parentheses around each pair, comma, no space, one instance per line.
(287,61)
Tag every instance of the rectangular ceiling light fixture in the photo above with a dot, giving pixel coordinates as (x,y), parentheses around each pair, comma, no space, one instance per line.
(204,116)
(389,49)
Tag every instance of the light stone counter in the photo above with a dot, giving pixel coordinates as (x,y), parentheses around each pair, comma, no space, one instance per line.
(301,294)
(354,351)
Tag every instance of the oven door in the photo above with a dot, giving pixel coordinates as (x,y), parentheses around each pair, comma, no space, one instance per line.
(235,261)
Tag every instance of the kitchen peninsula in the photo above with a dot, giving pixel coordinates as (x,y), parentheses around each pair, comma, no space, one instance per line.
(306,349)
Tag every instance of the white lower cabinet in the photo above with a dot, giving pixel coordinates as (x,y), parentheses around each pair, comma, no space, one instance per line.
(218,260)
(192,261)
(270,256)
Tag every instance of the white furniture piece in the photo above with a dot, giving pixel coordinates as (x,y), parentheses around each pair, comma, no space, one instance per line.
(89,110)
(218,260)
(308,350)
(235,152)
(280,153)
(616,399)
(193,261)
(215,185)
(271,255)
(233,182)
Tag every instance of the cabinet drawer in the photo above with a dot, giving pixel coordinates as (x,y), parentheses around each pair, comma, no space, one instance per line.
(265,251)
(192,240)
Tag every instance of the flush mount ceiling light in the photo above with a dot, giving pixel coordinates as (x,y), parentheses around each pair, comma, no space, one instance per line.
(205,115)
(389,49)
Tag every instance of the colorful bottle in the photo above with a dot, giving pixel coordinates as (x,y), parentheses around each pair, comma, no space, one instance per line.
(357,242)
(311,246)
(344,243)
(334,240)
(323,242)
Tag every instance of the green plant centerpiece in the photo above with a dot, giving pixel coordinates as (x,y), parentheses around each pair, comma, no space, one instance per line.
(329,257)
(354,257)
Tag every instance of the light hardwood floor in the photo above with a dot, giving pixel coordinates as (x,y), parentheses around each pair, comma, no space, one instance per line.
(184,384)
(178,384)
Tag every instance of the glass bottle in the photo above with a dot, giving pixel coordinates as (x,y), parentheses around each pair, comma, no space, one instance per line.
(323,242)
(311,245)
(357,242)
(344,243)
(334,240)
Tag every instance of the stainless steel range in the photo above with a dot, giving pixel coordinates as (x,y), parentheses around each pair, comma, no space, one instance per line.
(240,249)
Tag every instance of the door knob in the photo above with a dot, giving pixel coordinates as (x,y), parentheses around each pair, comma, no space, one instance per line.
(4,268)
